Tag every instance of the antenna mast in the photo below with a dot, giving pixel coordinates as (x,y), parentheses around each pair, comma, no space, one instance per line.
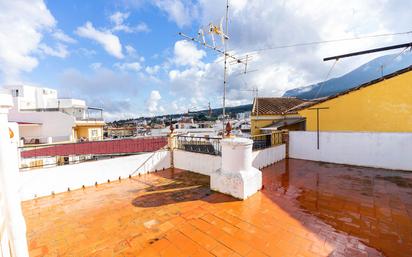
(225,69)
(223,33)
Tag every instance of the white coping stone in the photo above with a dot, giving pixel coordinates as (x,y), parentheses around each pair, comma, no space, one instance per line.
(236,176)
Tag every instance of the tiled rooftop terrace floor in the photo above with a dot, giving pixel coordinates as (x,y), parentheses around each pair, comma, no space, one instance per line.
(305,209)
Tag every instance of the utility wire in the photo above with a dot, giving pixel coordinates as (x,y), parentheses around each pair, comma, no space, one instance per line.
(383,65)
(324,81)
(330,41)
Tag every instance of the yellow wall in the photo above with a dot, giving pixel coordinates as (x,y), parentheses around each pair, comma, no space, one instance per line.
(85,132)
(263,121)
(383,107)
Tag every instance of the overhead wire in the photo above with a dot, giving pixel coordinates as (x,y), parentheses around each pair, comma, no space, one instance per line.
(326,78)
(330,41)
(382,66)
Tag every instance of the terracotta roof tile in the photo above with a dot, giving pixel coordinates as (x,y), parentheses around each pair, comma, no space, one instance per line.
(274,105)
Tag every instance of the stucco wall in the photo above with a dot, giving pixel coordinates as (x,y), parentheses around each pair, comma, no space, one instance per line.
(382,150)
(383,107)
(57,125)
(42,182)
(201,163)
(268,156)
(206,164)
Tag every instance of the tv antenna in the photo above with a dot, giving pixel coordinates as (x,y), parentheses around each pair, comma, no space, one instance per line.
(219,31)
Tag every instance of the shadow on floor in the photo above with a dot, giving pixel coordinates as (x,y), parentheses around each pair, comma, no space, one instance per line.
(174,186)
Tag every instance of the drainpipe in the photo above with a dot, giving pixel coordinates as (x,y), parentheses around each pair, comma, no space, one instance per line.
(10,185)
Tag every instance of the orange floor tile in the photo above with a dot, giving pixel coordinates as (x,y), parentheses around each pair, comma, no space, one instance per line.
(305,209)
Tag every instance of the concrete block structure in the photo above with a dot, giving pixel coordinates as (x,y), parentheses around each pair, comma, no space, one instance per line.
(236,176)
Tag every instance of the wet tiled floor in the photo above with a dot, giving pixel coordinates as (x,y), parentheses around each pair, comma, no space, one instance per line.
(305,209)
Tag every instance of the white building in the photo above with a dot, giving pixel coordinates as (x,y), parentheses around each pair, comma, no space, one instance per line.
(45,118)
(243,115)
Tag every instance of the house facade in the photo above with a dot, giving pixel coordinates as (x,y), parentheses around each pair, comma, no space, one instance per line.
(44,118)
(382,105)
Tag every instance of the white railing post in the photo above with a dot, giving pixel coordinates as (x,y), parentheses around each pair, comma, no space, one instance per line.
(15,226)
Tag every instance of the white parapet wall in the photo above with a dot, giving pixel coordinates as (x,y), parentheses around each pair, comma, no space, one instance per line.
(197,162)
(268,156)
(206,164)
(42,182)
(380,150)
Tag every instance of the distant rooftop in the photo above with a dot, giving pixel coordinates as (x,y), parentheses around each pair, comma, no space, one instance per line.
(274,105)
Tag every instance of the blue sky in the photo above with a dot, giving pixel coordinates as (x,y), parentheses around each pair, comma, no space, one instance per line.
(126,56)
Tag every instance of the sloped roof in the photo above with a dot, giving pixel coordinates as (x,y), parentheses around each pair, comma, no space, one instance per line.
(282,123)
(367,84)
(274,105)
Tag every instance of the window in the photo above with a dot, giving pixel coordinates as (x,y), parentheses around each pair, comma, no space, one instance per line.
(94,132)
(15,92)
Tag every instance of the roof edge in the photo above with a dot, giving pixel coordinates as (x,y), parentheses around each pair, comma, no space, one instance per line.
(367,84)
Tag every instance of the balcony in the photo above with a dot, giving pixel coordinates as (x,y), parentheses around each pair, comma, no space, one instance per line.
(91,114)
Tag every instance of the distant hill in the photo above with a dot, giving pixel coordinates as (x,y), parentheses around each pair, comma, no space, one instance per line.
(232,111)
(229,110)
(365,73)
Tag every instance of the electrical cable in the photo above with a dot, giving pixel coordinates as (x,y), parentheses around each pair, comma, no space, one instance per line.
(327,76)
(330,41)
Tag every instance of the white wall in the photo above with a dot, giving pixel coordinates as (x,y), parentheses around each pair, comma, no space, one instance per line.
(268,156)
(197,162)
(206,164)
(54,124)
(381,150)
(42,182)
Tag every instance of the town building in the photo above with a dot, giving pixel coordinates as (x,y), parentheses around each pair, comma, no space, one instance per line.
(270,113)
(43,117)
(381,105)
(120,132)
(243,115)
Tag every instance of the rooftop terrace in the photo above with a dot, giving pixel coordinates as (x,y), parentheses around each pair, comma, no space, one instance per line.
(305,209)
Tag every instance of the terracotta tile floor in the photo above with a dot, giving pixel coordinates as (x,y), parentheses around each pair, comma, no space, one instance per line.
(305,209)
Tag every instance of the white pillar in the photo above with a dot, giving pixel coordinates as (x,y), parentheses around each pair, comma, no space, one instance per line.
(236,176)
(10,184)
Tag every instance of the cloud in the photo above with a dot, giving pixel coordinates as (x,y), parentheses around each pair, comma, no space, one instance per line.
(186,53)
(108,88)
(95,65)
(130,50)
(152,70)
(181,12)
(61,36)
(100,82)
(118,19)
(132,53)
(128,66)
(262,24)
(142,27)
(152,102)
(21,30)
(86,52)
(59,51)
(109,41)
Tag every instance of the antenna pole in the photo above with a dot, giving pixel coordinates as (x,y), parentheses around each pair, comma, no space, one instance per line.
(225,70)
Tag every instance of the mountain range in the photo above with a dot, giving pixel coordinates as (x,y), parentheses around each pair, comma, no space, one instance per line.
(364,73)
